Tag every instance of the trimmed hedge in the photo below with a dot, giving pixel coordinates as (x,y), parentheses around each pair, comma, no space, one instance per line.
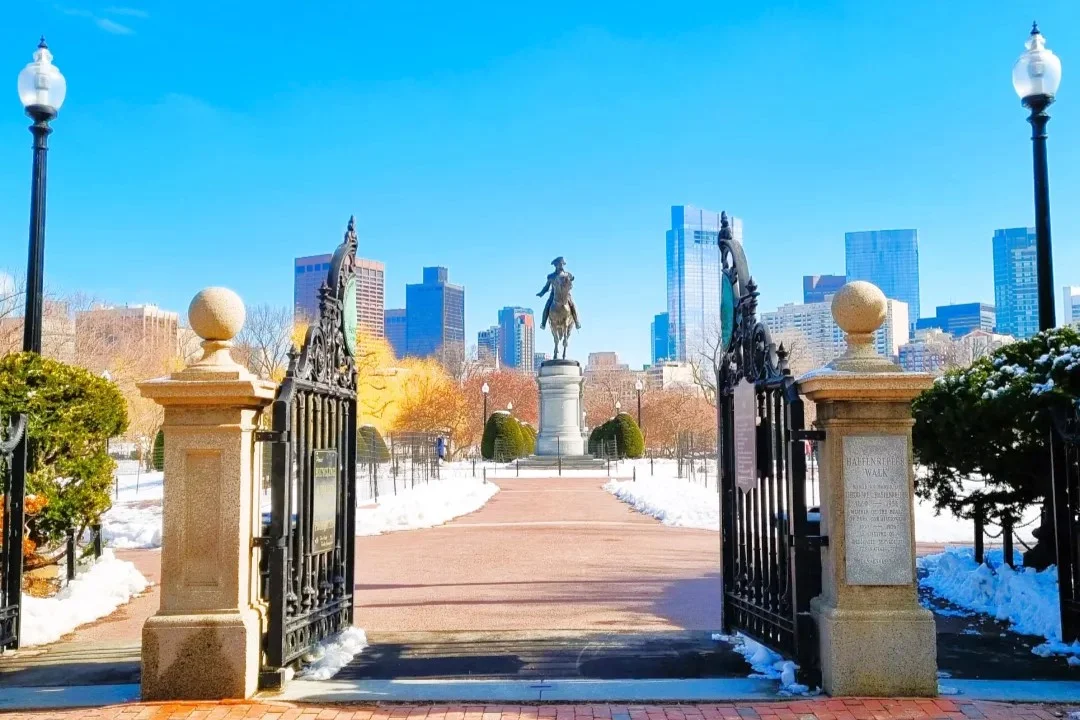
(502,426)
(370,446)
(157,454)
(624,431)
(528,434)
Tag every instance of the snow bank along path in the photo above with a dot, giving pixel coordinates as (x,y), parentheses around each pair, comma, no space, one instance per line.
(425,506)
(134,520)
(1025,598)
(98,592)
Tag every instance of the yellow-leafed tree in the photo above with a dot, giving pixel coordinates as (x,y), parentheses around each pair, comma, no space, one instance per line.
(432,402)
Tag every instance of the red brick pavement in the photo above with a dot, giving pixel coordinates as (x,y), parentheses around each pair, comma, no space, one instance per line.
(816,709)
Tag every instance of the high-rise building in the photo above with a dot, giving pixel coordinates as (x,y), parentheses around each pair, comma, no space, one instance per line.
(539,358)
(153,330)
(394,324)
(890,260)
(517,338)
(309,273)
(435,314)
(660,334)
(1071,311)
(693,280)
(817,288)
(370,296)
(487,346)
(1016,290)
(961,318)
(813,339)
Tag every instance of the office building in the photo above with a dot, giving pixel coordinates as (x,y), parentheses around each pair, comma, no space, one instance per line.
(517,338)
(434,314)
(930,352)
(309,274)
(1071,309)
(539,358)
(487,346)
(819,288)
(659,333)
(370,296)
(671,375)
(960,319)
(103,331)
(693,280)
(1016,289)
(394,323)
(814,339)
(888,259)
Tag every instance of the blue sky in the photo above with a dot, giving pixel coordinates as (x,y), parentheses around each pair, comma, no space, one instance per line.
(208,143)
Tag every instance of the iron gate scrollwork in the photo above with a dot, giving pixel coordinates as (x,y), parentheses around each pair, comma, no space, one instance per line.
(309,544)
(770,541)
(12,526)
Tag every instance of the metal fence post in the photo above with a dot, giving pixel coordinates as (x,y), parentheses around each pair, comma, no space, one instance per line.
(558,445)
(635,473)
(1007,539)
(97,540)
(980,520)
(517,468)
(485,475)
(71,554)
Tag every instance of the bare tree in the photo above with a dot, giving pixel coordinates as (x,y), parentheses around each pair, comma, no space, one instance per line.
(454,360)
(264,342)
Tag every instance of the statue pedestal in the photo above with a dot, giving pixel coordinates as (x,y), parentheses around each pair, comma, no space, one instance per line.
(561,431)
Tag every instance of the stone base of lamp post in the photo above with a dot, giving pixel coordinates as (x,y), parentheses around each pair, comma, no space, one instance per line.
(560,410)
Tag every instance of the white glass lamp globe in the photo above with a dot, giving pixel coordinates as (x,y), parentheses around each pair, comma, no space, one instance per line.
(618,406)
(638,386)
(40,82)
(1038,71)
(484,388)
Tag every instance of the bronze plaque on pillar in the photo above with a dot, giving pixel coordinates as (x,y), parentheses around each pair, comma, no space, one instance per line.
(324,509)
(744,433)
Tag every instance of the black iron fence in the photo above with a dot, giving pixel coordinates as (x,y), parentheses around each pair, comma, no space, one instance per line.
(11,533)
(403,461)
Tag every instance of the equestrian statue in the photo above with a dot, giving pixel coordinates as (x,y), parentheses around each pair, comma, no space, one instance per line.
(560,309)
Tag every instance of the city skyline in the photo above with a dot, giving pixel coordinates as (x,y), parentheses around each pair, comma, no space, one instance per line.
(520,132)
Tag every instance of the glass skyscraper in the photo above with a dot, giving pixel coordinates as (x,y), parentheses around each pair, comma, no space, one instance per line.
(1016,290)
(693,281)
(434,314)
(517,337)
(659,336)
(890,260)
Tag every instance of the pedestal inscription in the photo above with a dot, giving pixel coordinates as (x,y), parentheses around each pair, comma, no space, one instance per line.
(877,510)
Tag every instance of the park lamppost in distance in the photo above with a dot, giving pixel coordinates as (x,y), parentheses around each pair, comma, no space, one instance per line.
(1036,77)
(484,389)
(638,387)
(510,407)
(41,91)
(618,407)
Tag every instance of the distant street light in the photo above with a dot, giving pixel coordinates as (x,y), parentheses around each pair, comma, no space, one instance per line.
(509,407)
(485,390)
(1036,77)
(618,407)
(639,387)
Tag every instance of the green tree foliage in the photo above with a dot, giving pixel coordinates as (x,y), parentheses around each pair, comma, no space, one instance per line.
(621,434)
(157,454)
(981,432)
(71,415)
(528,436)
(502,432)
(370,446)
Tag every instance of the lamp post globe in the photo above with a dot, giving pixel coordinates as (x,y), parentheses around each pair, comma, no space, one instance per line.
(1036,76)
(510,407)
(618,407)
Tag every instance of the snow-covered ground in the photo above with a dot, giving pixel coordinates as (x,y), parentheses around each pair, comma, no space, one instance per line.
(1025,598)
(333,654)
(134,521)
(424,506)
(767,664)
(95,593)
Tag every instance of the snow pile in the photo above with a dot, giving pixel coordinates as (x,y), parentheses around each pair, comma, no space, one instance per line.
(1027,599)
(424,506)
(134,520)
(332,654)
(766,663)
(672,502)
(105,586)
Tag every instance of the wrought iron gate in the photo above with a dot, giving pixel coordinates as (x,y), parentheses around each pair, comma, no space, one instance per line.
(309,543)
(1065,465)
(771,544)
(12,527)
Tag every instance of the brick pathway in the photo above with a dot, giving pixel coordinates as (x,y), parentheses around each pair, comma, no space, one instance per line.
(858,709)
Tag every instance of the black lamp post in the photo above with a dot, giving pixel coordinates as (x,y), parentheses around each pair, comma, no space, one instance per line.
(41,91)
(638,387)
(1036,77)
(484,390)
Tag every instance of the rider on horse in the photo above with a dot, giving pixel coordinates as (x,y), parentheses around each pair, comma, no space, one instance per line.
(553,279)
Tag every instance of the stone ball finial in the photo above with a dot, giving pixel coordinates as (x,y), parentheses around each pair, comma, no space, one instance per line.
(859,308)
(216,314)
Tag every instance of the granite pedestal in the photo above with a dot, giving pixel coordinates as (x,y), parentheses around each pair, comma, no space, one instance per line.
(561,430)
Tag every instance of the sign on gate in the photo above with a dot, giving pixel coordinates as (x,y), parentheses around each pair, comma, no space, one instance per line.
(324,508)
(744,428)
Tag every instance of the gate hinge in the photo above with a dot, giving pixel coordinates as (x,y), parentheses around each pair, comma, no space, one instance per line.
(271,436)
(263,542)
(818,435)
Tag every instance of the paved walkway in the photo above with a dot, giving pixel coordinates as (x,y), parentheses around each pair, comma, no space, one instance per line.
(805,710)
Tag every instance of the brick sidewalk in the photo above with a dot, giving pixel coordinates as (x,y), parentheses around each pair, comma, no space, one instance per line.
(824,709)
